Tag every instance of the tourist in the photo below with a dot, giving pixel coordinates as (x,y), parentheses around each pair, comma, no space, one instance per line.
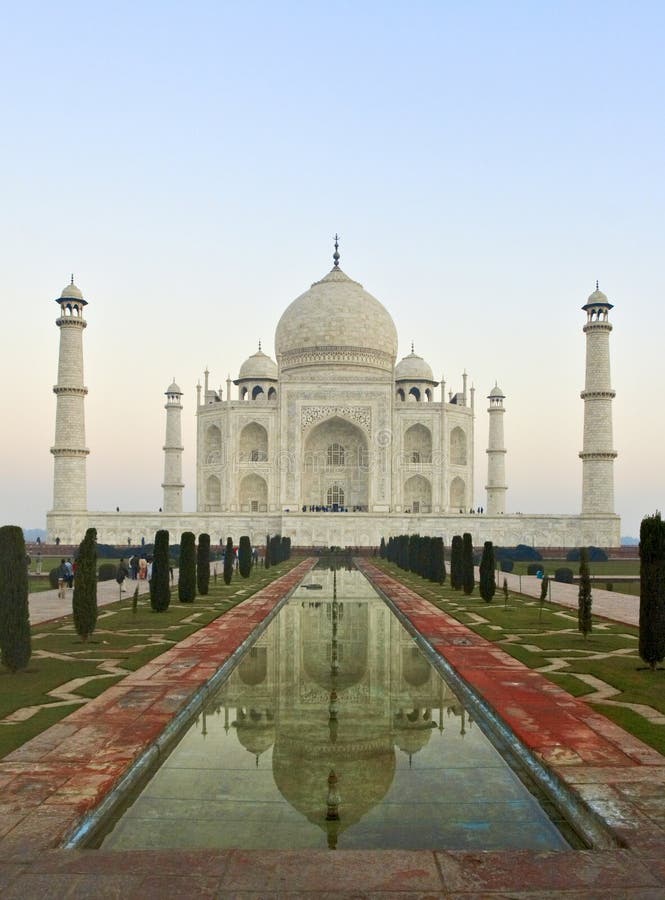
(62,579)
(69,570)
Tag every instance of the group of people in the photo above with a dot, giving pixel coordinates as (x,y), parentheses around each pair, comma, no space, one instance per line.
(140,568)
(66,573)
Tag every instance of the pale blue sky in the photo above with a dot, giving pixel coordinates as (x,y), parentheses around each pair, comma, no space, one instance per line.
(484,163)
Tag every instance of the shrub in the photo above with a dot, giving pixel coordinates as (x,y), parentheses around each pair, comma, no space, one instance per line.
(533,569)
(456,563)
(564,575)
(106,572)
(203,564)
(244,556)
(584,595)
(487,578)
(160,586)
(229,559)
(15,641)
(84,599)
(652,590)
(594,554)
(507,565)
(187,576)
(53,577)
(609,586)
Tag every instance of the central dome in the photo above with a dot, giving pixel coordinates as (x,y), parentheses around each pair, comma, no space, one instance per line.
(336,322)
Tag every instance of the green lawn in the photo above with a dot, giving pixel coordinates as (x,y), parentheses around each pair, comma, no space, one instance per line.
(540,638)
(128,639)
(599,569)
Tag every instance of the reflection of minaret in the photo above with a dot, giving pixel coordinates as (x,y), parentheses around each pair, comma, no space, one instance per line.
(496,455)
(597,454)
(173,448)
(69,450)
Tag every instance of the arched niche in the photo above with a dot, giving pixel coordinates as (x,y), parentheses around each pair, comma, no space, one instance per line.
(457,447)
(272,394)
(457,491)
(213,444)
(253,443)
(418,444)
(213,491)
(400,394)
(337,448)
(414,395)
(258,393)
(253,494)
(417,494)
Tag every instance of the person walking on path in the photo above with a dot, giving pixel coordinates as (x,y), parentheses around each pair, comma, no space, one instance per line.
(62,579)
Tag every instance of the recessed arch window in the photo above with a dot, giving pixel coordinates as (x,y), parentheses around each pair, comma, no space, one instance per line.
(335,455)
(335,495)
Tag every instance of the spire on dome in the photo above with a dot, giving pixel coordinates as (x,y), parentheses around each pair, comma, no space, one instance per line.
(259,346)
(412,350)
(597,284)
(336,253)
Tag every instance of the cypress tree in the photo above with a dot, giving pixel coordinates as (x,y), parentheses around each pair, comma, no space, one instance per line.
(438,565)
(425,557)
(652,590)
(187,576)
(84,598)
(456,563)
(382,548)
(468,580)
(15,647)
(245,556)
(267,561)
(487,577)
(276,549)
(229,559)
(284,548)
(203,564)
(584,595)
(414,540)
(160,586)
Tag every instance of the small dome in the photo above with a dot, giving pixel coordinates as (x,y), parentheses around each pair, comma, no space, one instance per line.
(258,367)
(597,298)
(497,392)
(413,368)
(173,388)
(71,292)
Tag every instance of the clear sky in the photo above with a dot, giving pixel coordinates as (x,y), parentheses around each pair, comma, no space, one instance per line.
(484,164)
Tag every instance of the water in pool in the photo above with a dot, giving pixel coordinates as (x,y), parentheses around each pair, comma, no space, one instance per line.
(334,731)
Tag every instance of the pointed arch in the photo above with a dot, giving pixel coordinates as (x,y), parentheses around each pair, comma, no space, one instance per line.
(253,443)
(458,447)
(457,494)
(417,494)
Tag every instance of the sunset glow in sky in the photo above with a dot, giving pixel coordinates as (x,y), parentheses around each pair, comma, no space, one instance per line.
(483,163)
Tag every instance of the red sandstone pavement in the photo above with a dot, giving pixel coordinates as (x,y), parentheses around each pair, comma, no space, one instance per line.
(50,782)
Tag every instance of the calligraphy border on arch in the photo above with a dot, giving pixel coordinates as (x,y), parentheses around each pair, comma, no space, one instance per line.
(359,415)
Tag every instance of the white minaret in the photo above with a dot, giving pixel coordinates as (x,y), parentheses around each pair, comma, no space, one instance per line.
(496,455)
(173,448)
(598,454)
(69,450)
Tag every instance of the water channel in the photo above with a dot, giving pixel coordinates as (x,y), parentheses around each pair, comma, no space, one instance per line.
(335,731)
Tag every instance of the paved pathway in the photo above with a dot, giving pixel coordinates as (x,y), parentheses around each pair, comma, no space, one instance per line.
(610,604)
(46,605)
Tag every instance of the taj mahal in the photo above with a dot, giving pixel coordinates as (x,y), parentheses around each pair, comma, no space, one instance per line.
(335,442)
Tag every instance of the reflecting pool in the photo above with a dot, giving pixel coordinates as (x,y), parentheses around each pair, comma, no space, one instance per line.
(334,731)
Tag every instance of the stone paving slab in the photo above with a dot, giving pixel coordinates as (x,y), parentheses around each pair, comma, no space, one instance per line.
(47,784)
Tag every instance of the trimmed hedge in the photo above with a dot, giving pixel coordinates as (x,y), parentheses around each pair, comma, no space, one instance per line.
(565,575)
(106,572)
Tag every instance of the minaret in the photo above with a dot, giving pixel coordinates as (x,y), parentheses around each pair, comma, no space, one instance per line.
(496,455)
(173,448)
(598,454)
(69,450)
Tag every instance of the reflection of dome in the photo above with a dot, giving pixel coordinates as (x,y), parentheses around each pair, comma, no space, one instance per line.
(410,741)
(254,667)
(255,731)
(413,368)
(317,636)
(336,322)
(365,768)
(258,367)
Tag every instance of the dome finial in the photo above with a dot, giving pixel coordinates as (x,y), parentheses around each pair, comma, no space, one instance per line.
(72,281)
(259,346)
(336,253)
(596,284)
(412,350)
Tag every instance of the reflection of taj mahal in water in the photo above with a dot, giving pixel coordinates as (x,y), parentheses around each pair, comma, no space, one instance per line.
(335,443)
(355,695)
